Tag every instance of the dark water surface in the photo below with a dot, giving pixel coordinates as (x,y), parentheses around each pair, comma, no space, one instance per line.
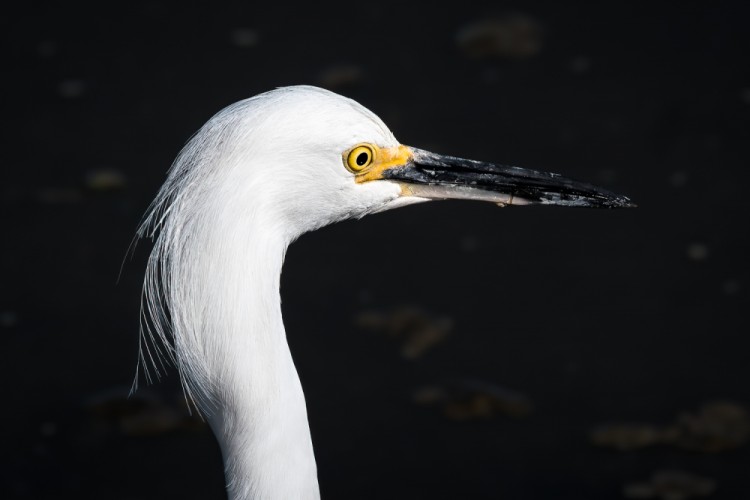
(545,323)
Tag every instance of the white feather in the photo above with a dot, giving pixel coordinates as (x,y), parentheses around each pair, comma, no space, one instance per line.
(255,177)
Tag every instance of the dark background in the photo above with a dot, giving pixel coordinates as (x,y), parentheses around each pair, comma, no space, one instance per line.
(594,317)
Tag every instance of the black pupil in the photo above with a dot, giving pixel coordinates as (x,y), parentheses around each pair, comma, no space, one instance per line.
(362,158)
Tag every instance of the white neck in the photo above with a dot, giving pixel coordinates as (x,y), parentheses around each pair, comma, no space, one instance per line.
(257,409)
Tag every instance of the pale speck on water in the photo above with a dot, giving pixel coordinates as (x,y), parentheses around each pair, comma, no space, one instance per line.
(607,176)
(490,76)
(697,251)
(71,89)
(580,64)
(731,286)
(48,429)
(678,179)
(8,319)
(364,296)
(469,244)
(46,48)
(245,37)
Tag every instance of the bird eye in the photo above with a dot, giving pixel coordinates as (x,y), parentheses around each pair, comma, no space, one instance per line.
(360,158)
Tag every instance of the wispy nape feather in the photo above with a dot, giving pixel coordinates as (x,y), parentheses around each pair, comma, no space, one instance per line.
(168,224)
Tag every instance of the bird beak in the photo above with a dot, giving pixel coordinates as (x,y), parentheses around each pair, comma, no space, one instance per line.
(429,175)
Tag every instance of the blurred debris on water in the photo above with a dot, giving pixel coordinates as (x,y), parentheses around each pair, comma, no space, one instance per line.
(142,414)
(57,195)
(626,436)
(416,329)
(508,36)
(105,179)
(715,427)
(670,485)
(340,76)
(473,399)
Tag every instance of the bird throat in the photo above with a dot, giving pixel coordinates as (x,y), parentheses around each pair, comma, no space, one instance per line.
(258,411)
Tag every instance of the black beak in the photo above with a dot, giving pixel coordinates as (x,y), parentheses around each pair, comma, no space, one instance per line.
(429,175)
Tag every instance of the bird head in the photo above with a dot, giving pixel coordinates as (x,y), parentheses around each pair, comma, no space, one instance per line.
(308,157)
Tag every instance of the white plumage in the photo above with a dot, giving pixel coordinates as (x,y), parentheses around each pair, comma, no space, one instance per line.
(255,177)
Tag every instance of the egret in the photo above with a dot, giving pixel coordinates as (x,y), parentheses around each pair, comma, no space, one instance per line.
(256,176)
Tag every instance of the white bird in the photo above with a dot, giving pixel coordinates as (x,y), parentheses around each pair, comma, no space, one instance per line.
(256,176)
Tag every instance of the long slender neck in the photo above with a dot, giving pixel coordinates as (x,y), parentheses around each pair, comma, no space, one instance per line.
(260,419)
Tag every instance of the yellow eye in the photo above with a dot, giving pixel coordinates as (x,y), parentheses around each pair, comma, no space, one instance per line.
(360,158)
